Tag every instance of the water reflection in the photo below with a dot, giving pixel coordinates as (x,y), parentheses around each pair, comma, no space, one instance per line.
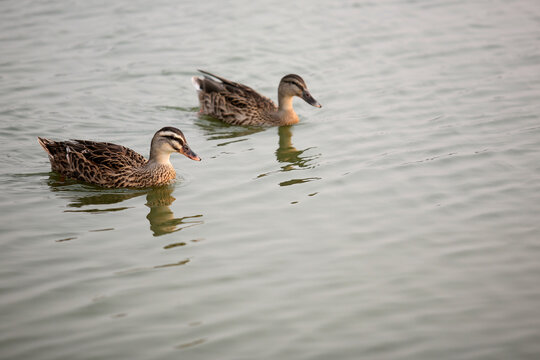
(215,129)
(288,154)
(84,198)
(218,130)
(161,217)
(290,158)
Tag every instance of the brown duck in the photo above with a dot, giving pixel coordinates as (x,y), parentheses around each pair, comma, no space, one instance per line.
(115,166)
(239,104)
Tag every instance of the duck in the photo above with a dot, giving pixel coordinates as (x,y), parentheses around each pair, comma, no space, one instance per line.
(116,166)
(238,104)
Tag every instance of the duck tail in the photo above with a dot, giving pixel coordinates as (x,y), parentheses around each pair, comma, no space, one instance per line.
(197,83)
(45,144)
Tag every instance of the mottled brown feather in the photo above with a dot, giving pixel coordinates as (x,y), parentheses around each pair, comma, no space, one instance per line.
(234,103)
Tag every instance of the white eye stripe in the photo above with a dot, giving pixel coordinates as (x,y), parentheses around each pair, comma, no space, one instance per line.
(169,133)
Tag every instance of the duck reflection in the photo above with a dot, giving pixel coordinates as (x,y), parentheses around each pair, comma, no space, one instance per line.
(291,158)
(85,197)
(161,217)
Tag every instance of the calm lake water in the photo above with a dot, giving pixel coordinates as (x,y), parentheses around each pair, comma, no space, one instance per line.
(400,221)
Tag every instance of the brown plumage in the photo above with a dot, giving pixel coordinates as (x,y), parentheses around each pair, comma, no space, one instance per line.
(116,166)
(239,104)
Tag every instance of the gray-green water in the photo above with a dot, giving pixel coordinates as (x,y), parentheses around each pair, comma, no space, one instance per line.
(400,221)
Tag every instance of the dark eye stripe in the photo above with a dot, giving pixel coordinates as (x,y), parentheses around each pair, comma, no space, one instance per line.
(295,83)
(175,139)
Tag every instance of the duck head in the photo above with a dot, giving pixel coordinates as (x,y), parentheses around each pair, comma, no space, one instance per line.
(293,85)
(167,141)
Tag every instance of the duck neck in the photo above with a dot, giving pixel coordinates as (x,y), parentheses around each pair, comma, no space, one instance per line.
(285,113)
(159,159)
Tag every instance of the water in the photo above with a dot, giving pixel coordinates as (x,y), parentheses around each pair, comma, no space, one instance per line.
(400,221)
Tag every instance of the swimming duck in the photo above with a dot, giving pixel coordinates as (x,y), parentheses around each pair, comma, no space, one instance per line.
(115,166)
(239,104)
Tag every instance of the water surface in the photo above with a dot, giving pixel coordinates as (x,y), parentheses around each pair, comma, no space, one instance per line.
(400,221)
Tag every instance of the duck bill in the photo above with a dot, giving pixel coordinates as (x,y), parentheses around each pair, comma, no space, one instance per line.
(310,99)
(189,153)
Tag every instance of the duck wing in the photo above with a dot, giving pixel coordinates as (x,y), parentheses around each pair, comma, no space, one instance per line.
(112,156)
(238,95)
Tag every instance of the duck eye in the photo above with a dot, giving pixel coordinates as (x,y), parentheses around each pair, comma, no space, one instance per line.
(295,84)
